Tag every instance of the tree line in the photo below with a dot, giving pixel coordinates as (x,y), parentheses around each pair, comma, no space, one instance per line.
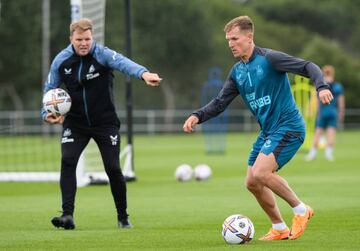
(181,40)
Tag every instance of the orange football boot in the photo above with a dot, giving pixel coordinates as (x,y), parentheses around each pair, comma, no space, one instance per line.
(276,235)
(299,223)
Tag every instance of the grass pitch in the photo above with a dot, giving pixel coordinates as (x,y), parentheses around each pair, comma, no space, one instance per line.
(169,215)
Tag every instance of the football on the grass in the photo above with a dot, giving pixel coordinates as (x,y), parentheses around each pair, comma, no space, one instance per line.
(237,229)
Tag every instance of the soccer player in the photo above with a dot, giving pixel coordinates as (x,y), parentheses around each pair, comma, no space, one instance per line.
(328,116)
(260,78)
(86,69)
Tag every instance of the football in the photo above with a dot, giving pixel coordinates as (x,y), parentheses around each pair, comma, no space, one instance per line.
(183,172)
(237,229)
(57,101)
(202,172)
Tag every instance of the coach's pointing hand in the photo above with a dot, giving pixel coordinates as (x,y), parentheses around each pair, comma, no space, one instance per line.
(190,123)
(325,96)
(151,79)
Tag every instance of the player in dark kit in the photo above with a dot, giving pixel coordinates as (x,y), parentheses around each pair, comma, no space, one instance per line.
(85,68)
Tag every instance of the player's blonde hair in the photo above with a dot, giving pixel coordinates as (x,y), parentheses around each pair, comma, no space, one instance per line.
(243,22)
(82,25)
(329,70)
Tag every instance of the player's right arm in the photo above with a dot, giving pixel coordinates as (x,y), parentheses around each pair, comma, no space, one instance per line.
(287,63)
(214,107)
(53,81)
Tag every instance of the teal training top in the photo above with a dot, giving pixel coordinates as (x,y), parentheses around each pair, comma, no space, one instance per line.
(264,85)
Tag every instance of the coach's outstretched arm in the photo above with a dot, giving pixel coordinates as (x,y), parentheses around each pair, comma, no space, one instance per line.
(151,79)
(117,61)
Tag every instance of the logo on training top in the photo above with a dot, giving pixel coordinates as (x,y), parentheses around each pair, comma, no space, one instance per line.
(67,132)
(92,75)
(257,103)
(259,71)
(267,143)
(65,138)
(91,69)
(67,71)
(241,74)
(250,96)
(114,55)
(238,79)
(114,140)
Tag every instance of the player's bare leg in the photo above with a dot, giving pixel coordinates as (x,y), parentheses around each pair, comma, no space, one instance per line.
(266,199)
(331,135)
(264,172)
(318,133)
(313,151)
(264,196)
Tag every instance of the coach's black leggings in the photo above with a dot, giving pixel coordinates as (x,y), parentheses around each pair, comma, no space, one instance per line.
(74,141)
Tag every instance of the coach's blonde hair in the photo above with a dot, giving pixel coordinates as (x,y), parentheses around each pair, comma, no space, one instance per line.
(243,22)
(82,25)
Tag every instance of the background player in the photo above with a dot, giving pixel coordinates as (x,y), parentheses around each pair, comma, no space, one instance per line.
(328,116)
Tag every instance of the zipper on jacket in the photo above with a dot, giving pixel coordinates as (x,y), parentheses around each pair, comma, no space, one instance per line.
(248,73)
(85,106)
(84,93)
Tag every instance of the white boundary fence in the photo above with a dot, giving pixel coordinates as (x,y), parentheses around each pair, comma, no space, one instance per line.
(145,121)
(20,159)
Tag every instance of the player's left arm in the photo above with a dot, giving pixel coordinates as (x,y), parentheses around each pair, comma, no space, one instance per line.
(287,63)
(117,61)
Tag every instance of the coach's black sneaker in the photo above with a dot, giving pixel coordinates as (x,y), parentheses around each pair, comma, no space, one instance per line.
(64,221)
(124,223)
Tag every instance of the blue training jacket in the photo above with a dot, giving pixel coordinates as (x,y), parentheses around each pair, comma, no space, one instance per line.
(89,82)
(264,86)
